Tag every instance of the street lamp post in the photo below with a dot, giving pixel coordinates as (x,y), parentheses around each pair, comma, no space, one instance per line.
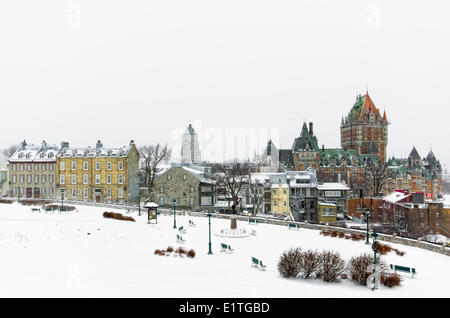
(174,214)
(139,203)
(62,198)
(367,221)
(375,285)
(209,224)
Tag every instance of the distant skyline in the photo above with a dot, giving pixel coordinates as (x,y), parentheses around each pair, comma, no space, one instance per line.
(83,70)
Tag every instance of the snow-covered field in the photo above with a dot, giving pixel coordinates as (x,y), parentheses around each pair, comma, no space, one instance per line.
(52,255)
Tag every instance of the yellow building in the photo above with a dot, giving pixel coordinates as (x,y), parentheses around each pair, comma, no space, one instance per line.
(280,199)
(99,174)
(326,212)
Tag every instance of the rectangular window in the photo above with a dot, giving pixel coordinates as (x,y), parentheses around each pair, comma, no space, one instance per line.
(50,178)
(97,165)
(192,201)
(284,203)
(85,179)
(21,178)
(36,167)
(120,165)
(191,189)
(120,178)
(274,203)
(85,193)
(62,179)
(108,193)
(169,176)
(74,165)
(44,167)
(14,178)
(108,179)
(50,167)
(274,191)
(29,167)
(50,190)
(14,191)
(74,179)
(97,179)
(21,167)
(85,165)
(14,166)
(161,189)
(120,193)
(44,190)
(74,193)
(36,178)
(62,166)
(109,165)
(29,178)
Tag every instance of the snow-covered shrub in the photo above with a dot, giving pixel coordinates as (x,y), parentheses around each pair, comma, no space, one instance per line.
(309,263)
(289,264)
(159,252)
(357,268)
(390,280)
(181,251)
(191,253)
(169,249)
(333,233)
(325,233)
(347,237)
(340,234)
(331,266)
(382,249)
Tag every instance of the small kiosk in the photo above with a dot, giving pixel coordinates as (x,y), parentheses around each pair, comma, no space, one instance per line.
(152,209)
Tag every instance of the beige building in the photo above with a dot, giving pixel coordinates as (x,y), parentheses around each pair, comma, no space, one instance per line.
(99,174)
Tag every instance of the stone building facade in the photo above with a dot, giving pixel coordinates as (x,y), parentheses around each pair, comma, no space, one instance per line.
(190,188)
(32,172)
(98,174)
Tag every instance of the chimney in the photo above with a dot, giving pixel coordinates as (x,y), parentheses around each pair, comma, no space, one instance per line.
(418,198)
(99,144)
(361,193)
(311,129)
(64,144)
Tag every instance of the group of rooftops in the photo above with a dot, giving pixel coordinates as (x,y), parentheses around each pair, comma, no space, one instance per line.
(44,152)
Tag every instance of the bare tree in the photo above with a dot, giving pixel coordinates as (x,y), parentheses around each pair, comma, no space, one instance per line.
(8,152)
(152,156)
(231,178)
(375,176)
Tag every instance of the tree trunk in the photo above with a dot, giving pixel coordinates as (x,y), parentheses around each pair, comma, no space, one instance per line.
(233,224)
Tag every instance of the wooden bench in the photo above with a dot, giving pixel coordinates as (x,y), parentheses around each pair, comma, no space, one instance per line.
(257,263)
(293,226)
(182,230)
(252,221)
(226,248)
(405,269)
(191,223)
(180,239)
(35,210)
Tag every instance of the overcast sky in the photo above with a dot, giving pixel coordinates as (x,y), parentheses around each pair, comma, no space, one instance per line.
(119,70)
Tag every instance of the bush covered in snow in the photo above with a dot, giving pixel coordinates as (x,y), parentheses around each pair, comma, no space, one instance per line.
(390,280)
(290,263)
(309,263)
(331,266)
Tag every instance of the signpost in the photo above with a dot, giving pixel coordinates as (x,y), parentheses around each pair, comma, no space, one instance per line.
(152,212)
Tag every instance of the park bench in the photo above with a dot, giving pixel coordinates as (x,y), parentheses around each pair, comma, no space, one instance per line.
(180,239)
(403,269)
(182,229)
(257,263)
(226,248)
(35,210)
(252,221)
(293,226)
(63,210)
(191,223)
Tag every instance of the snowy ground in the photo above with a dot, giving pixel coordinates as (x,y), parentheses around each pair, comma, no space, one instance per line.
(51,255)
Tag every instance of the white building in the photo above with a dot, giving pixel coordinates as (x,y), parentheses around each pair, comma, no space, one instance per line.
(190,151)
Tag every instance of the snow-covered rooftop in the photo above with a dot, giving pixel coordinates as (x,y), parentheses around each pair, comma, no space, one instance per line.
(332,186)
